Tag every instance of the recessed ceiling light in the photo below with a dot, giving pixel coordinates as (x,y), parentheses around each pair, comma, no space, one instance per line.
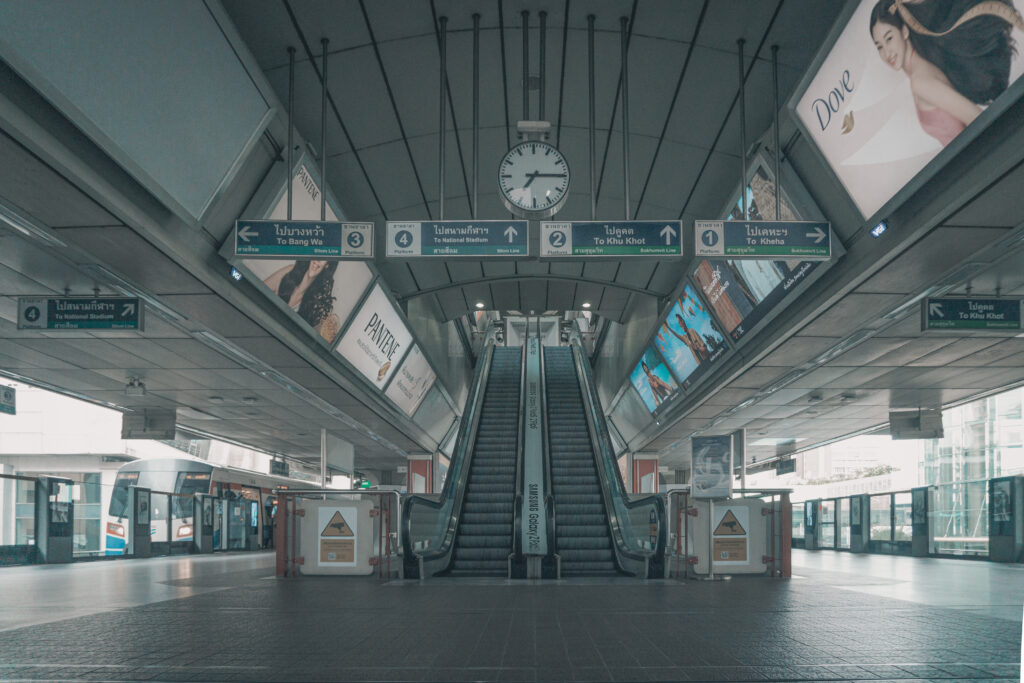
(586,304)
(479,304)
(249,400)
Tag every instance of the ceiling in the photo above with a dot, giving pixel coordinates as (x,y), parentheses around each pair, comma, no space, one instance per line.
(831,365)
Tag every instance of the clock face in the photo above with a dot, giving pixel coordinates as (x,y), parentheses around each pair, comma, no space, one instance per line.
(534,179)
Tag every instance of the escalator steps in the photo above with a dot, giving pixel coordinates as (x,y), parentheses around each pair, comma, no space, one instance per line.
(583,539)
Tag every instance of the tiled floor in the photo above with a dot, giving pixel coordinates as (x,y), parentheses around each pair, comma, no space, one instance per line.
(224,618)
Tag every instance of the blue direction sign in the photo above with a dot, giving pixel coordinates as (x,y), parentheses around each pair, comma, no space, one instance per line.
(271,239)
(776,240)
(969,313)
(80,313)
(7,400)
(607,238)
(458,238)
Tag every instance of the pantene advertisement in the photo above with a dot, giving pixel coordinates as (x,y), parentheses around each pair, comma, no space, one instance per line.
(376,339)
(903,80)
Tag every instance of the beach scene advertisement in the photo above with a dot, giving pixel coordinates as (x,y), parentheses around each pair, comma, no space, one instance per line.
(903,80)
(653,381)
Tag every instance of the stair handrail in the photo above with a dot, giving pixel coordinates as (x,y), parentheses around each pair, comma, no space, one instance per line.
(549,495)
(517,506)
(651,561)
(454,489)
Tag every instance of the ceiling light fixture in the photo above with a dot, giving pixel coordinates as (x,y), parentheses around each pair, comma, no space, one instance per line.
(479,304)
(28,227)
(586,304)
(135,387)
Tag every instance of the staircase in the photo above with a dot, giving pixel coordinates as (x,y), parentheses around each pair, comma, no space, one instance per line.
(484,538)
(581,525)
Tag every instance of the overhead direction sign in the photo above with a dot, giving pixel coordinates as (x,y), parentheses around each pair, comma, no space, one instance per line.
(80,313)
(610,238)
(274,239)
(7,400)
(970,313)
(776,240)
(458,238)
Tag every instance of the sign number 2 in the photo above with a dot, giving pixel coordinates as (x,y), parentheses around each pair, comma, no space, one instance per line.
(557,238)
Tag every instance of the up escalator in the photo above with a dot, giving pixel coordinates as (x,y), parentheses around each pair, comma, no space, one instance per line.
(581,523)
(483,541)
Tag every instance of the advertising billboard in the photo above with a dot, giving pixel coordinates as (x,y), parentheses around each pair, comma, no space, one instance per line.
(322,293)
(412,382)
(712,466)
(688,339)
(653,381)
(903,80)
(376,339)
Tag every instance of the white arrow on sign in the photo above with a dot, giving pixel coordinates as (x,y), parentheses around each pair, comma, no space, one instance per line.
(246,232)
(936,310)
(668,233)
(818,235)
(510,233)
(129,309)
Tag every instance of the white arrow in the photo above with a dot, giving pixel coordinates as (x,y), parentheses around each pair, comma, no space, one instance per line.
(818,235)
(129,309)
(246,232)
(510,233)
(668,233)
(935,310)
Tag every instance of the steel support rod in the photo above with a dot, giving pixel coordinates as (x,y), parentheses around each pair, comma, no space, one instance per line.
(775,133)
(591,125)
(476,113)
(323,460)
(443,21)
(323,133)
(543,63)
(526,65)
(743,130)
(291,113)
(624,36)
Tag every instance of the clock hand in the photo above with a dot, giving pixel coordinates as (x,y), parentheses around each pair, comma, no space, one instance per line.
(532,177)
(548,175)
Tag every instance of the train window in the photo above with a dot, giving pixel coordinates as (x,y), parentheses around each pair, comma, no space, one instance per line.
(189,484)
(119,496)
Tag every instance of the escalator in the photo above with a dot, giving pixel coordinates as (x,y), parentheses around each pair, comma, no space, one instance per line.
(583,540)
(484,538)
(467,529)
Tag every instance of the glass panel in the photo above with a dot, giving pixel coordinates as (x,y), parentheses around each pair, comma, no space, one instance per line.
(843,517)
(958,517)
(119,496)
(236,525)
(798,520)
(218,525)
(881,517)
(160,504)
(828,524)
(903,512)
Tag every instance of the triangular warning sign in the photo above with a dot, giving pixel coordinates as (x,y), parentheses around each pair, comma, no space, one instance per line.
(730,526)
(337,527)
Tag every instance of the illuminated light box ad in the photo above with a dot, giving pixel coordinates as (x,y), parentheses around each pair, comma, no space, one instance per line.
(890,94)
(412,382)
(653,381)
(376,339)
(322,293)
(688,339)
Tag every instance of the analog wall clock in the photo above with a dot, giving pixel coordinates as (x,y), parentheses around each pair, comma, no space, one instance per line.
(534,179)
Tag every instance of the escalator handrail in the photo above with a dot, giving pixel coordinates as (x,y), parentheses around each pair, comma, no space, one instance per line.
(455,484)
(612,486)
(549,496)
(517,507)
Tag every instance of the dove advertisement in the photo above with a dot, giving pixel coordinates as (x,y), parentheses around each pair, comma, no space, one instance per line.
(903,79)
(376,339)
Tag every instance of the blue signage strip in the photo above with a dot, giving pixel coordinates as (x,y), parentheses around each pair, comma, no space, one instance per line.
(609,238)
(458,238)
(776,240)
(272,239)
(969,313)
(80,313)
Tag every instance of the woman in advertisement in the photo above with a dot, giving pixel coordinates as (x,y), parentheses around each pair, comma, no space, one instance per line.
(306,286)
(659,387)
(956,53)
